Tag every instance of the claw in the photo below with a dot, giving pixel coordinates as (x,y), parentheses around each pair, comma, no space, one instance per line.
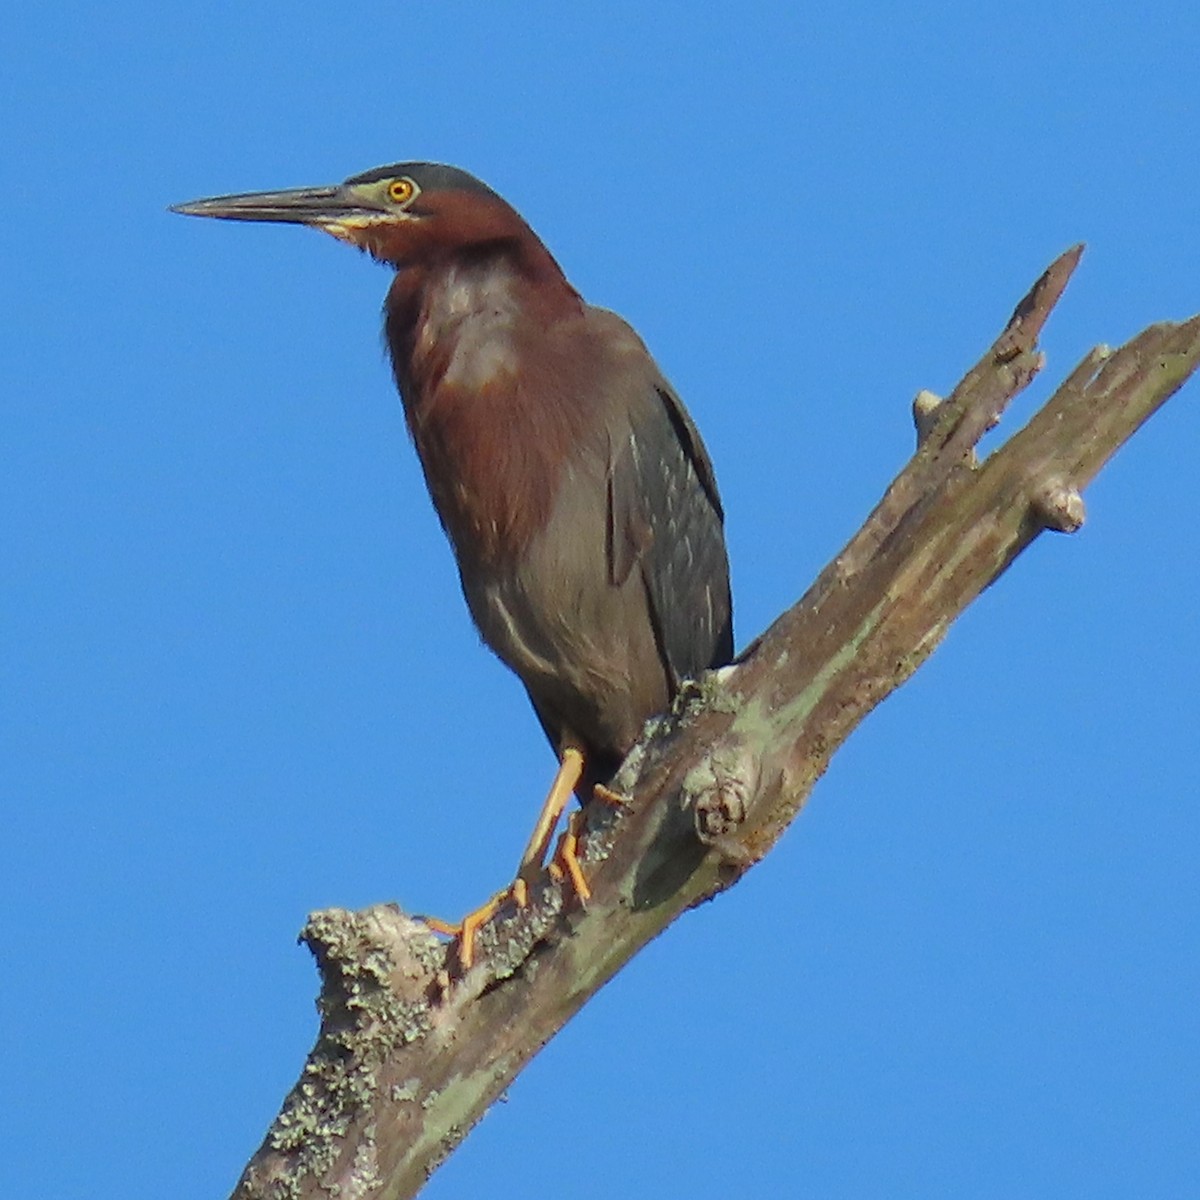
(563,866)
(607,796)
(566,858)
(472,922)
(464,932)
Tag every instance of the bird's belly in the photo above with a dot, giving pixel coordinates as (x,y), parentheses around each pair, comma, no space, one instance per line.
(583,647)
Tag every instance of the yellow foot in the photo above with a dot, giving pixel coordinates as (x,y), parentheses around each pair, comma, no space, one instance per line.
(464,932)
(564,864)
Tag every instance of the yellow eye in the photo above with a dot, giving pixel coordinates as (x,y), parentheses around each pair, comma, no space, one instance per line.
(401,191)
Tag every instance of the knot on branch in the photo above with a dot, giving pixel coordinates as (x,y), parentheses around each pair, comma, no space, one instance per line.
(927,410)
(718,791)
(1058,505)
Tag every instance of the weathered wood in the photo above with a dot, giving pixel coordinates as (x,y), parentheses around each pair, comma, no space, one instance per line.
(411,1053)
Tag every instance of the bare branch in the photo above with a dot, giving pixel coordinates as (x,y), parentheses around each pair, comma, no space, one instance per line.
(411,1053)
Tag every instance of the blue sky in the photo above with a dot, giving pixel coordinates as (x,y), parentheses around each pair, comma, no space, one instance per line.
(239,682)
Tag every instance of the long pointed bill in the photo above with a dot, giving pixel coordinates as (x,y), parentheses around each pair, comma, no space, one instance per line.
(299,206)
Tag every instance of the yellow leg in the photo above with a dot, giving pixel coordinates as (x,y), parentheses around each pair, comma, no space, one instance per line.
(570,770)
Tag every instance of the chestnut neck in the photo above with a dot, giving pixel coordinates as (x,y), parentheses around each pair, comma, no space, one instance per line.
(476,340)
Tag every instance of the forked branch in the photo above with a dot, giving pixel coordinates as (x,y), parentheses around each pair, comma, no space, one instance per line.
(411,1052)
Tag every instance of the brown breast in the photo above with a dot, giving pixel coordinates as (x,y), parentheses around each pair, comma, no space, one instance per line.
(486,368)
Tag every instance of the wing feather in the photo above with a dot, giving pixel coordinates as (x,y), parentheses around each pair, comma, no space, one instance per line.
(665,518)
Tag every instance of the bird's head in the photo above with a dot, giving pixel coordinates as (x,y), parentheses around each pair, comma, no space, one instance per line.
(403,214)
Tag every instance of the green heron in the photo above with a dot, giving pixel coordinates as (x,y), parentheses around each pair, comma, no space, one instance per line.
(574,488)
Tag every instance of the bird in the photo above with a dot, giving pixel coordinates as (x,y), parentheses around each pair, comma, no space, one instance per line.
(574,488)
